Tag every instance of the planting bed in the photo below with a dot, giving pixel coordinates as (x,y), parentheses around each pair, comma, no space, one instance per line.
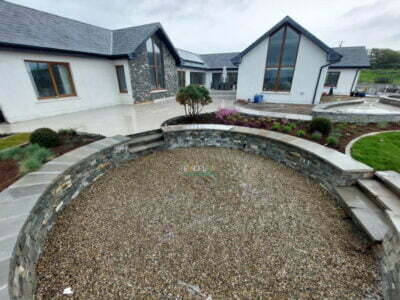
(345,132)
(200,222)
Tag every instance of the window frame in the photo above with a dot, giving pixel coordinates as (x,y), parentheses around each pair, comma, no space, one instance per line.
(337,80)
(53,80)
(181,78)
(203,78)
(279,67)
(119,79)
(160,85)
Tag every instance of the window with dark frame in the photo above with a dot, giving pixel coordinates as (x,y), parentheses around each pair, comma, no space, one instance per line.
(155,60)
(181,79)
(198,78)
(51,79)
(121,79)
(281,59)
(332,79)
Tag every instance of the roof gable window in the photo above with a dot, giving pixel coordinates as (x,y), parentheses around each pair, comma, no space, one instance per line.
(281,59)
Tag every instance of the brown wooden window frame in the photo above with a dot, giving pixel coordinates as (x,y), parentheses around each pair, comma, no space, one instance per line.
(181,78)
(160,82)
(119,79)
(279,67)
(53,80)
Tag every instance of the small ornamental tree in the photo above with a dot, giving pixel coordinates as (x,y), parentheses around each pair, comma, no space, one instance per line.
(193,98)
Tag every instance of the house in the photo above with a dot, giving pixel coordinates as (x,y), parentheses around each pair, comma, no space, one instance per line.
(52,65)
(209,70)
(343,76)
(288,64)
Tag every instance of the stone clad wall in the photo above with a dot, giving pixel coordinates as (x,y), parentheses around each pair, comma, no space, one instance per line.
(140,76)
(391,265)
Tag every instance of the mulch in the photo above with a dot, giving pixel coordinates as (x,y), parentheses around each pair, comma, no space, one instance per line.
(9,173)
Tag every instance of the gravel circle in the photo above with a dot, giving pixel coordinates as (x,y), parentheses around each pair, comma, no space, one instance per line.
(204,223)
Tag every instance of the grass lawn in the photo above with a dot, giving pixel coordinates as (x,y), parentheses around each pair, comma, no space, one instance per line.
(382,151)
(14,140)
(370,75)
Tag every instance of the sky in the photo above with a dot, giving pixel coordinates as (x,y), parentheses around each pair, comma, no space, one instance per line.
(211,26)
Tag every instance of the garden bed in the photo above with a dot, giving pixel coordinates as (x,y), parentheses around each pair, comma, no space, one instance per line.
(11,170)
(342,133)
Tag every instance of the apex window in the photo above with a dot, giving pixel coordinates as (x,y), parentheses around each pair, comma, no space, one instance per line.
(155,60)
(281,59)
(51,79)
(332,79)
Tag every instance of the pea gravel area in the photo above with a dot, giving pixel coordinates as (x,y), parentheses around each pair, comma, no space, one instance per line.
(206,223)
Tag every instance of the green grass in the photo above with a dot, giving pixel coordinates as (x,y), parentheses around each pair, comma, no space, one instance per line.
(379,151)
(14,140)
(369,76)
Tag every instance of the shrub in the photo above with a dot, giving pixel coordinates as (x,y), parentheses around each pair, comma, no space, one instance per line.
(322,125)
(30,164)
(316,136)
(42,154)
(276,126)
(292,125)
(300,133)
(287,129)
(332,141)
(45,137)
(382,125)
(69,131)
(193,98)
(16,153)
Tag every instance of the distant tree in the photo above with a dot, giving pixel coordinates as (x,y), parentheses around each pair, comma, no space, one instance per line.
(385,59)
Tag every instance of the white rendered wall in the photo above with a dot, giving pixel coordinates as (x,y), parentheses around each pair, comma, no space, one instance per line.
(309,61)
(94,78)
(345,82)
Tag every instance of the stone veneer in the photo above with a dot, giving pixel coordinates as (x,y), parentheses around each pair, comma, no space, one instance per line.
(140,75)
(29,208)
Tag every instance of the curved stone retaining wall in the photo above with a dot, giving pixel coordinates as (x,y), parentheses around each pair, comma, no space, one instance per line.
(29,208)
(390,101)
(321,111)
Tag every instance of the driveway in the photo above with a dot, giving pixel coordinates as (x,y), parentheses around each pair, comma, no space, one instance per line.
(120,119)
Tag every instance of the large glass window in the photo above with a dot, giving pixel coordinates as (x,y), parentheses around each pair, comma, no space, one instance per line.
(197,78)
(121,79)
(332,79)
(51,79)
(181,79)
(281,59)
(155,59)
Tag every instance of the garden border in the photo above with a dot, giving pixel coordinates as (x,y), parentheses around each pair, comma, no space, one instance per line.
(352,142)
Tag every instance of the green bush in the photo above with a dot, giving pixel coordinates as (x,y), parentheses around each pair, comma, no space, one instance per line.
(287,128)
(276,126)
(30,164)
(382,125)
(193,98)
(45,137)
(316,136)
(43,154)
(16,153)
(300,133)
(322,125)
(332,141)
(69,131)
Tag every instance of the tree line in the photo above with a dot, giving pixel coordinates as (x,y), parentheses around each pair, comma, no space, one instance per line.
(384,58)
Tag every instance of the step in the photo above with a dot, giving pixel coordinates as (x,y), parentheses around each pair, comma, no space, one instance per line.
(146,147)
(382,196)
(364,212)
(145,139)
(391,179)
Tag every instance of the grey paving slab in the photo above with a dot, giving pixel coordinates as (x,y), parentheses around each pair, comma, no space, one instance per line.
(11,226)
(4,269)
(144,139)
(146,147)
(6,247)
(391,179)
(394,220)
(384,197)
(52,167)
(373,222)
(353,197)
(24,191)
(4,293)
(35,178)
(16,207)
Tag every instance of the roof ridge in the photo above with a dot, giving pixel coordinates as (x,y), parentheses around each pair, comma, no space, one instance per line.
(136,26)
(234,52)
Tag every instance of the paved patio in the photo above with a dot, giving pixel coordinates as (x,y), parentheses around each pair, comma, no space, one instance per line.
(121,119)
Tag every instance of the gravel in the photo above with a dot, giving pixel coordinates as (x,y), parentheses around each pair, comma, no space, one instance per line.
(204,223)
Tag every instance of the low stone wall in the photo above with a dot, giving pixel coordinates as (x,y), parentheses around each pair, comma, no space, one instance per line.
(390,101)
(29,207)
(320,111)
(391,262)
(325,165)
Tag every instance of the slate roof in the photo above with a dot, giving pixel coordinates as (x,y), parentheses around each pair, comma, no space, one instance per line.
(353,57)
(22,26)
(191,59)
(220,60)
(331,54)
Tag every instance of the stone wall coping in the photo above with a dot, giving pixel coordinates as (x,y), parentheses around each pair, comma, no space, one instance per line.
(271,114)
(18,200)
(333,157)
(323,107)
